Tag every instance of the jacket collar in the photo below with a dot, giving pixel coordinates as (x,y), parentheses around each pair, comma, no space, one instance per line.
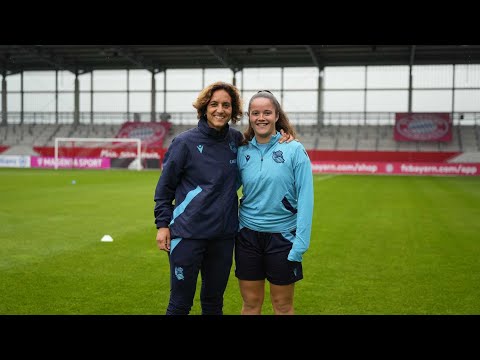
(207,130)
(273,139)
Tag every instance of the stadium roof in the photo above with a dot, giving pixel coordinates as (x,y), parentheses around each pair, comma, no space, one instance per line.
(85,58)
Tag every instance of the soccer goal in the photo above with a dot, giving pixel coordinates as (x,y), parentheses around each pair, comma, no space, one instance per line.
(98,153)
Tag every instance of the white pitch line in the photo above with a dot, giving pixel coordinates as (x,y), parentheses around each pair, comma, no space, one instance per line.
(326,177)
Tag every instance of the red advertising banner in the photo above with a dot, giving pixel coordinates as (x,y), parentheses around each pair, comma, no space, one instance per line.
(121,151)
(63,162)
(152,134)
(395,168)
(423,127)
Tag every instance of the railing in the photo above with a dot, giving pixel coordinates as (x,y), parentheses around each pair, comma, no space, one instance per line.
(190,118)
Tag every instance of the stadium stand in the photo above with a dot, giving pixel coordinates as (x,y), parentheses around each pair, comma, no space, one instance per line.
(24,132)
(18,139)
(332,148)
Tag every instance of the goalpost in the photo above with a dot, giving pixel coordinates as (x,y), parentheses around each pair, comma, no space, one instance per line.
(137,141)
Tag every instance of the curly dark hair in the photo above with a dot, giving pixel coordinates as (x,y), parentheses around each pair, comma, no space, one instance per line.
(206,95)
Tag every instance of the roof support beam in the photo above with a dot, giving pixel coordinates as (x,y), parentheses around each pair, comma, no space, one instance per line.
(223,58)
(412,55)
(313,55)
(134,58)
(49,58)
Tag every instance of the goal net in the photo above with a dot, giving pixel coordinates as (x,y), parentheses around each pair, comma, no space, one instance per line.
(98,153)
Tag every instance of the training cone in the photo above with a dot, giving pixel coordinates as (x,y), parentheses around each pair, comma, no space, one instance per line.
(106,238)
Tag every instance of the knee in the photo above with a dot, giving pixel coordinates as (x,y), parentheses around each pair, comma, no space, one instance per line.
(253,300)
(282,307)
(251,309)
(252,305)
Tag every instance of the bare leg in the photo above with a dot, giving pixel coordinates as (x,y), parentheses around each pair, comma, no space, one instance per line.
(282,299)
(253,294)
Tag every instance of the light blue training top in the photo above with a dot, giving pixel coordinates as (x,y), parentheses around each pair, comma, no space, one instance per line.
(277,191)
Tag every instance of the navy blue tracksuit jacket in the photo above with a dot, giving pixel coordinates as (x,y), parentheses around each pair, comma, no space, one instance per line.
(200,173)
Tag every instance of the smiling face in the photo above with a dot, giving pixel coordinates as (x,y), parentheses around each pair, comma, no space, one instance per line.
(219,109)
(262,117)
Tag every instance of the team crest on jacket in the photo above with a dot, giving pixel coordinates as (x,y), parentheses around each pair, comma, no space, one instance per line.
(278,156)
(247,157)
(233,147)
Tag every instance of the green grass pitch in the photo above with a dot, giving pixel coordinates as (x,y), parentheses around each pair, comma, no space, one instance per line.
(380,245)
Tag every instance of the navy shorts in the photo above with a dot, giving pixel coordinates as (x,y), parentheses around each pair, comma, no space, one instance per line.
(261,255)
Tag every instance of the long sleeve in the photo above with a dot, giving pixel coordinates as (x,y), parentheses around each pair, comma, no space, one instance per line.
(172,170)
(304,187)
